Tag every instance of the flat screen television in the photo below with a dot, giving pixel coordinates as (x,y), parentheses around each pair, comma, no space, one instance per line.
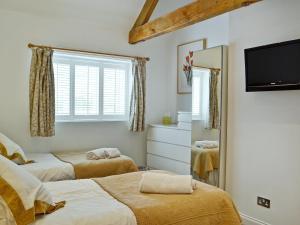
(273,67)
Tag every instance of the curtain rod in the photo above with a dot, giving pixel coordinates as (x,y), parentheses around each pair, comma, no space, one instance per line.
(30,45)
(209,68)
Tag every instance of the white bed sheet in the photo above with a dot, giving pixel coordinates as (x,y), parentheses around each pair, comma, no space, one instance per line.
(47,167)
(86,204)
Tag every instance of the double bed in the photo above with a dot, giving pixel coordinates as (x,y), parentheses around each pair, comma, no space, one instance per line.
(117,200)
(74,165)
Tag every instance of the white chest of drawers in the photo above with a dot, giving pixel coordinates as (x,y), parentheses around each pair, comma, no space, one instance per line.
(169,148)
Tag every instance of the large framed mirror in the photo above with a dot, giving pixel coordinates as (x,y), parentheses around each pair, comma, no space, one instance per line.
(209,115)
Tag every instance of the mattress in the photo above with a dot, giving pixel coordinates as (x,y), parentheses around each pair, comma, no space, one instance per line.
(47,167)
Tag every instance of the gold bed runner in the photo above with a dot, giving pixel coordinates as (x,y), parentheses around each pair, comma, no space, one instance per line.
(204,161)
(97,168)
(206,206)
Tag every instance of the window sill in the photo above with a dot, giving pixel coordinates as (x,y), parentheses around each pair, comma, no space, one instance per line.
(90,121)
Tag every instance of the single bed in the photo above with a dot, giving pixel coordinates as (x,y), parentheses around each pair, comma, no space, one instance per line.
(47,167)
(74,165)
(116,200)
(205,164)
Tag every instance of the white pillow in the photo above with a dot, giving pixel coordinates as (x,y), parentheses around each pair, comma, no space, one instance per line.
(23,193)
(11,150)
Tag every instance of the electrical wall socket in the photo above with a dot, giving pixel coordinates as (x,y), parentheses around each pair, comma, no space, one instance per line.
(264,202)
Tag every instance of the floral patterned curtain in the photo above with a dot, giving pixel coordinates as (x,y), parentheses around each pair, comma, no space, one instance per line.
(214,118)
(41,93)
(138,96)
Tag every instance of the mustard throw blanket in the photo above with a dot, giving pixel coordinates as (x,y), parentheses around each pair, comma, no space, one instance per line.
(207,205)
(85,168)
(204,161)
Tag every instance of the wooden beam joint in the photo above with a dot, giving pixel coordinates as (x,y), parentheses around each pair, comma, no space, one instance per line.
(146,13)
(192,13)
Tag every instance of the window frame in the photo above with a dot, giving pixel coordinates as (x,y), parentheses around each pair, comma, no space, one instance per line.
(100,62)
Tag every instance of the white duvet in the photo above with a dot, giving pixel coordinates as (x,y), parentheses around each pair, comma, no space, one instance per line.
(86,204)
(47,167)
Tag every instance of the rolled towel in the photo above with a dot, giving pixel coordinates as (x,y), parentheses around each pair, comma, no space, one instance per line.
(96,154)
(112,153)
(161,183)
(207,144)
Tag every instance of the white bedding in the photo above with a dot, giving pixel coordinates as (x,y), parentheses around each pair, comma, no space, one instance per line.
(86,204)
(48,168)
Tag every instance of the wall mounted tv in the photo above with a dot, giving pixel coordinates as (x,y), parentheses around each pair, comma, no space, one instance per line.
(273,67)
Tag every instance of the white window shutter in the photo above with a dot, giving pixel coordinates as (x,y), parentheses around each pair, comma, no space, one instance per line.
(196,94)
(86,90)
(114,91)
(200,94)
(62,89)
(90,88)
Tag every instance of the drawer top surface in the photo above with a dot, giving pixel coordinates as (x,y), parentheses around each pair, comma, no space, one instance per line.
(172,126)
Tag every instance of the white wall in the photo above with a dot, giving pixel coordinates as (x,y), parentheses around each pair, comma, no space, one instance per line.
(264,127)
(97,34)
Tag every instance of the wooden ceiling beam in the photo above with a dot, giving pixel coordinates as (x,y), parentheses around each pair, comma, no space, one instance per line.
(192,13)
(146,13)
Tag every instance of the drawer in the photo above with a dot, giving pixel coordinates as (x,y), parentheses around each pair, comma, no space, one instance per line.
(184,117)
(177,152)
(171,136)
(185,126)
(161,163)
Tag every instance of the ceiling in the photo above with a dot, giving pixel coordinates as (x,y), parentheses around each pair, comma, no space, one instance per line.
(91,10)
(165,6)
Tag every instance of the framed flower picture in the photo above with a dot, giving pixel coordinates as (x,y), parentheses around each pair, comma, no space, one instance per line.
(185,63)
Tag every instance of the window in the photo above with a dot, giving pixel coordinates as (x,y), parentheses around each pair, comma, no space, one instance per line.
(200,94)
(91,88)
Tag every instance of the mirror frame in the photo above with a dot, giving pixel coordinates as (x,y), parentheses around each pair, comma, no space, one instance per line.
(223,116)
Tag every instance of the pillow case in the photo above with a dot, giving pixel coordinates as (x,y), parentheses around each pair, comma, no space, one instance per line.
(11,150)
(23,193)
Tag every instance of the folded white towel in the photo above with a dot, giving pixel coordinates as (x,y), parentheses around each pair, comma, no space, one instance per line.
(162,183)
(112,153)
(96,154)
(207,144)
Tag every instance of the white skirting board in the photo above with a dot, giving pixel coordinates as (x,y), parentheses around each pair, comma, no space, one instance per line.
(248,220)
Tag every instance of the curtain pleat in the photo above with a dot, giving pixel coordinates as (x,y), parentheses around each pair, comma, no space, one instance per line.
(42,93)
(138,96)
(213,121)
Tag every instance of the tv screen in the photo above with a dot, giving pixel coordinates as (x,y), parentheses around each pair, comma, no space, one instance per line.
(273,67)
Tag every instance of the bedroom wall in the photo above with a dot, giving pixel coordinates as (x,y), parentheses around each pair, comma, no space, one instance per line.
(263,127)
(49,27)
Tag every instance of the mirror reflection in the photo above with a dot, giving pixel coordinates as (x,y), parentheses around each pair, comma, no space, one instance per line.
(206,115)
